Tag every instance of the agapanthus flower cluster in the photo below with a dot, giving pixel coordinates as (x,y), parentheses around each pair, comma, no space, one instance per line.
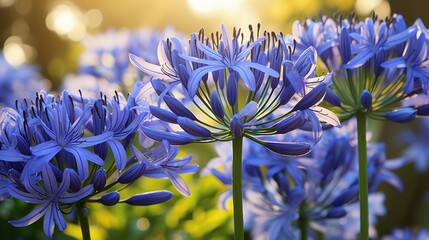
(225,86)
(376,63)
(316,189)
(104,63)
(19,82)
(60,154)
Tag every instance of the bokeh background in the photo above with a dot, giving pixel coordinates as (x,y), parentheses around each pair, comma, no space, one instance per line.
(48,34)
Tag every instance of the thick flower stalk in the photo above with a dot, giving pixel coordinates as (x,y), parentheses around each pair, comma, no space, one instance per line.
(54,154)
(226,88)
(377,64)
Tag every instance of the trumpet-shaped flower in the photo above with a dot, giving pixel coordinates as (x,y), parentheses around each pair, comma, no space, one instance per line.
(51,196)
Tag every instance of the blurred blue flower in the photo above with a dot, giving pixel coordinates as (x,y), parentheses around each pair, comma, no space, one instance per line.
(18,82)
(407,234)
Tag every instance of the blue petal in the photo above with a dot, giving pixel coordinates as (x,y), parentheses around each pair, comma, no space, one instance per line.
(150,198)
(59,218)
(119,154)
(81,161)
(359,60)
(151,69)
(48,222)
(49,179)
(44,148)
(397,62)
(196,76)
(248,110)
(178,183)
(262,68)
(246,75)
(94,140)
(400,37)
(75,197)
(291,123)
(172,138)
(311,98)
(12,155)
(32,216)
(23,196)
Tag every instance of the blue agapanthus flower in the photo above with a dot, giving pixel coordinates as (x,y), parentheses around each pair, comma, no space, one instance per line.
(19,82)
(54,153)
(49,195)
(220,88)
(376,63)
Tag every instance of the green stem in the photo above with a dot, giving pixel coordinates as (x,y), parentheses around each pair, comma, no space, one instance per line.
(83,220)
(303,221)
(363,176)
(237,195)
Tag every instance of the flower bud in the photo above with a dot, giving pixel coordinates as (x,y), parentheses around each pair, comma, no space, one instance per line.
(99,180)
(366,99)
(75,183)
(163,114)
(132,174)
(216,105)
(237,126)
(178,108)
(193,128)
(110,199)
(150,198)
(403,115)
(288,148)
